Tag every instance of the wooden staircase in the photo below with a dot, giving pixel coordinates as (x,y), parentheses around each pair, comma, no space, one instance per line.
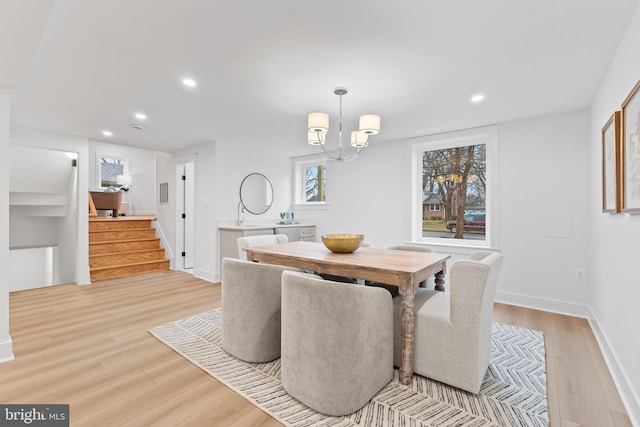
(124,246)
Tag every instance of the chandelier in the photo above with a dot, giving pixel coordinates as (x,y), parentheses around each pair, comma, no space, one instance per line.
(318,125)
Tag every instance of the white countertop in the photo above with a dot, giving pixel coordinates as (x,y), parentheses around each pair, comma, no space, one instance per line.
(262,226)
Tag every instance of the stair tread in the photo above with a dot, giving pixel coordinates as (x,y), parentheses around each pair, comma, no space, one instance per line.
(135,251)
(145,239)
(124,218)
(120,230)
(153,261)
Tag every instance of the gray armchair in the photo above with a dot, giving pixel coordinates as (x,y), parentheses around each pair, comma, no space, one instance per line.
(262,240)
(251,309)
(453,329)
(337,342)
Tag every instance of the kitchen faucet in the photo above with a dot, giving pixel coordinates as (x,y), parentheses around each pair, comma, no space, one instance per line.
(240,211)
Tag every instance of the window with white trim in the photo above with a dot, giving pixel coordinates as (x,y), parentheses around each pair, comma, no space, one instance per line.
(310,182)
(457,170)
(108,167)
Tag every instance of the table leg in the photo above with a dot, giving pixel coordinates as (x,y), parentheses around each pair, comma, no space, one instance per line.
(407,331)
(440,281)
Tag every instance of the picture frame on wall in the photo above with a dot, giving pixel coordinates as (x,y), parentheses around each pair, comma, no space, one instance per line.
(630,177)
(611,194)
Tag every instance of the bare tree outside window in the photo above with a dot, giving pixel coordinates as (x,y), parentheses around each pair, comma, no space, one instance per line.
(315,182)
(455,178)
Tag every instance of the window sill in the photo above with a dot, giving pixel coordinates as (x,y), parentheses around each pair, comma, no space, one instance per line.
(457,248)
(312,207)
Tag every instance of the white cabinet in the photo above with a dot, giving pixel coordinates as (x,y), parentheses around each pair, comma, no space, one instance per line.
(308,233)
(230,235)
(292,233)
(298,232)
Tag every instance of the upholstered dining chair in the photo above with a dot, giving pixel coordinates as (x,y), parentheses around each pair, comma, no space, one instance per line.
(262,240)
(404,247)
(251,309)
(453,329)
(337,342)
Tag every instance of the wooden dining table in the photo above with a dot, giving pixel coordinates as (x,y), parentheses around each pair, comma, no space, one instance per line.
(404,269)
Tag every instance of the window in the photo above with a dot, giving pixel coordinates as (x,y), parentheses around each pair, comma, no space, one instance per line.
(109,167)
(310,181)
(455,169)
(315,183)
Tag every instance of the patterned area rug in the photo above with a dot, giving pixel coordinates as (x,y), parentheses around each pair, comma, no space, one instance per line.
(513,391)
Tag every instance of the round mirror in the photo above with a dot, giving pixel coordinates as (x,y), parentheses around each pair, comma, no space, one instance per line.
(256,193)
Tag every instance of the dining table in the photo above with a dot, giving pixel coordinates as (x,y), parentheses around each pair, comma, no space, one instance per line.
(404,269)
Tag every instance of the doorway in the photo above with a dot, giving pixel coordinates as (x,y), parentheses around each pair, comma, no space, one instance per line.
(185,213)
(43,217)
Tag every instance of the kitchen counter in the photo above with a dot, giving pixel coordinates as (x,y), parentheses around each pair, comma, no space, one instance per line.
(230,232)
(262,226)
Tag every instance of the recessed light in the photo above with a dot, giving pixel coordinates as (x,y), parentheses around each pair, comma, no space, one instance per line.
(107,133)
(477,98)
(141,116)
(189,82)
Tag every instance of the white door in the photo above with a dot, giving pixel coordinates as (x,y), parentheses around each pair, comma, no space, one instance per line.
(186,211)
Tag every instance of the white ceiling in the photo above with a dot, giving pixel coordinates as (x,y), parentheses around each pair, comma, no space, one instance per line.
(81,66)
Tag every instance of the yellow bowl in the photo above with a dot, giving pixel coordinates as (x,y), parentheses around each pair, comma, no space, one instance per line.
(342,243)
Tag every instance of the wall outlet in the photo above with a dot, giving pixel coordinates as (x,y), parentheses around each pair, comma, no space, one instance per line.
(580,273)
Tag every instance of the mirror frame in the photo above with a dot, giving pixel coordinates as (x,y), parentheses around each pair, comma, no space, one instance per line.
(269,190)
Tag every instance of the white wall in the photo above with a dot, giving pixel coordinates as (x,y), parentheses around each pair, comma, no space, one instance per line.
(67,256)
(30,231)
(234,161)
(141,167)
(166,213)
(368,196)
(32,268)
(6,352)
(542,176)
(613,255)
(38,170)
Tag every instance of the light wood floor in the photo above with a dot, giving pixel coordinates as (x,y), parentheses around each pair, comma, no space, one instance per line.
(89,346)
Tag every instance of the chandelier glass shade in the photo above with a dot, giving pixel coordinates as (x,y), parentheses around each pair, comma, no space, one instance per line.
(318,126)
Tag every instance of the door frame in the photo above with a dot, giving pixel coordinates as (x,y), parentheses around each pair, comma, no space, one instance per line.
(180,209)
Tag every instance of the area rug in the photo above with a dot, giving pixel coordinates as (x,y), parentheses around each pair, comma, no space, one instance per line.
(513,392)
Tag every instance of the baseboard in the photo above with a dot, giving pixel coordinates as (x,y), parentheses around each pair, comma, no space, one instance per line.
(6,350)
(206,275)
(629,397)
(544,304)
